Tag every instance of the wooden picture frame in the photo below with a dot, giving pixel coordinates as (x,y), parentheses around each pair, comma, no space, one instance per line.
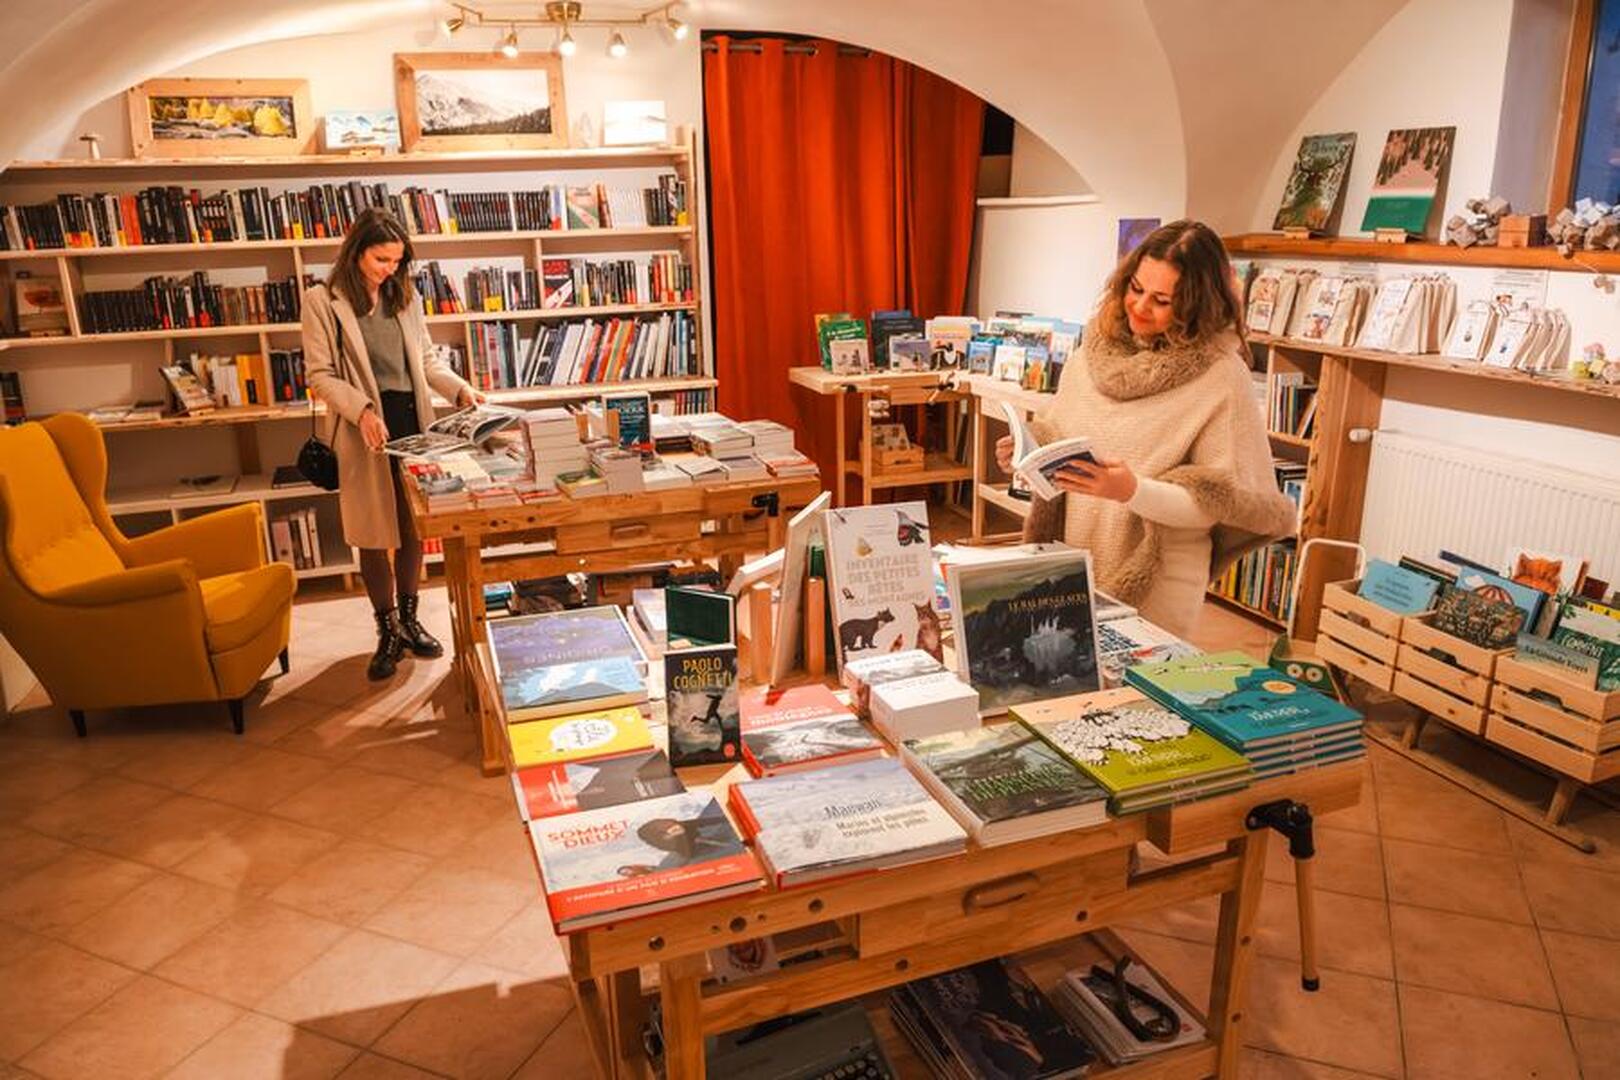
(286,129)
(1572,108)
(537,75)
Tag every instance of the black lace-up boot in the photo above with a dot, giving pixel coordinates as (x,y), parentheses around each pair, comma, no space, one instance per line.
(390,647)
(414,634)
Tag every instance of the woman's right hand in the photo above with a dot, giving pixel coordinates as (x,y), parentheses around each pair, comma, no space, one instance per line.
(373,430)
(1004,449)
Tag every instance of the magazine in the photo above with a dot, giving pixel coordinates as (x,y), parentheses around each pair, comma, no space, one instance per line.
(461,430)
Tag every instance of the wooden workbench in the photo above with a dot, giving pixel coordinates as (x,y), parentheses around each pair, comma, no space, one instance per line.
(602,533)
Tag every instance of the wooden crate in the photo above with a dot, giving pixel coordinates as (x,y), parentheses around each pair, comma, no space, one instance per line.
(1357,636)
(897,459)
(1443,675)
(1571,729)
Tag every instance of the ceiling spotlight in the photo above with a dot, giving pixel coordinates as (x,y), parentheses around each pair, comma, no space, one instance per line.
(509,46)
(565,44)
(616,46)
(677,29)
(453,23)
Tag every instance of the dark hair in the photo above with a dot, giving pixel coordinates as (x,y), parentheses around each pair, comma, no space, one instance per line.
(374,226)
(1204,301)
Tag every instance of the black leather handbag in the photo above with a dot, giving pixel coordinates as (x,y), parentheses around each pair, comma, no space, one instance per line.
(317,462)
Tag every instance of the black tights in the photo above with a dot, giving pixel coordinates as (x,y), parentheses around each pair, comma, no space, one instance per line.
(382,575)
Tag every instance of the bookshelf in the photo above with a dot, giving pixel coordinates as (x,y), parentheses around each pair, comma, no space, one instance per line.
(80,370)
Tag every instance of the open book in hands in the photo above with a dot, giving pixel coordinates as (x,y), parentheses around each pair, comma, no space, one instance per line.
(1034,464)
(459,431)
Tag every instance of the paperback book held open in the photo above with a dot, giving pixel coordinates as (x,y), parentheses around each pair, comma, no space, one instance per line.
(1035,464)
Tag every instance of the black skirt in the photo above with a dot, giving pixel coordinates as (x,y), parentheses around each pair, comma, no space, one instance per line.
(399,413)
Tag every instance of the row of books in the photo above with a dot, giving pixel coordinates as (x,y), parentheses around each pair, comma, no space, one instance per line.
(1291,409)
(1544,604)
(1262,579)
(11,396)
(1012,346)
(172,303)
(659,278)
(175,215)
(568,353)
(251,378)
(295,538)
(1291,477)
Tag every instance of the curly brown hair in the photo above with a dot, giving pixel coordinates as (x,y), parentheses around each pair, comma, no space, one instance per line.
(372,227)
(1205,301)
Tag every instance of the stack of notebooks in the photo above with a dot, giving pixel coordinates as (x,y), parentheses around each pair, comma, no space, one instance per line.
(1089,998)
(1141,754)
(562,662)
(1003,783)
(1278,723)
(843,820)
(801,728)
(988,1022)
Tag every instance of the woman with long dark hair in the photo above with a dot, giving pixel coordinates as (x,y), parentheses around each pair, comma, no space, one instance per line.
(368,357)
(1184,483)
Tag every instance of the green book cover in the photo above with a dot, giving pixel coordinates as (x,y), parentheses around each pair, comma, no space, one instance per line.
(1240,700)
(699,616)
(1003,772)
(1134,747)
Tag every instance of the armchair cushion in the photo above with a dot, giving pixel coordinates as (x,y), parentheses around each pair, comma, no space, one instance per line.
(222,542)
(56,543)
(237,607)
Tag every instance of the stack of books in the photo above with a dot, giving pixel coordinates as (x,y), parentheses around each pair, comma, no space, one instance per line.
(719,438)
(586,761)
(770,439)
(924,705)
(670,434)
(790,464)
(562,662)
(1089,998)
(619,469)
(552,437)
(843,820)
(703,470)
(988,1021)
(743,467)
(1003,783)
(660,475)
(861,675)
(1278,723)
(1141,754)
(801,728)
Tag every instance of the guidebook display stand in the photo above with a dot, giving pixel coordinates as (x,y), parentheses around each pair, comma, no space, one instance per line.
(887,928)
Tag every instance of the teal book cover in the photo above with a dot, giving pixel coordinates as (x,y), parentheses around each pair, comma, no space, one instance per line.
(1403,591)
(1239,700)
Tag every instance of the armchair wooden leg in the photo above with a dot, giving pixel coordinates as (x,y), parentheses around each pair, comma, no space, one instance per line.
(286,663)
(77,716)
(236,715)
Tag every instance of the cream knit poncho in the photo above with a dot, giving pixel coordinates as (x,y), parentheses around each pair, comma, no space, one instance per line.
(1184,419)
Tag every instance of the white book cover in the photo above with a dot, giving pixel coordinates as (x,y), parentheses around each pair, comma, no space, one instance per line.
(1384,319)
(881,580)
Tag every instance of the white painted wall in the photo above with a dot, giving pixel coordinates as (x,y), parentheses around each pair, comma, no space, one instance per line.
(1436,63)
(1037,169)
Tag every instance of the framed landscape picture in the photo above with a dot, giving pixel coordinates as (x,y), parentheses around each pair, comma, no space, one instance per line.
(1314,186)
(480,101)
(1408,179)
(181,118)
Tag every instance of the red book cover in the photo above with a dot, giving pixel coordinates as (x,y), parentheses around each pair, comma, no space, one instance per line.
(549,790)
(801,728)
(607,865)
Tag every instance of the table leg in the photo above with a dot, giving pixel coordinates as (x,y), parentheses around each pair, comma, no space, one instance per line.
(1234,950)
(455,585)
(627,1015)
(839,434)
(680,993)
(866,449)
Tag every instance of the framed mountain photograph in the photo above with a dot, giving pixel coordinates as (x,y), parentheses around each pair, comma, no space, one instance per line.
(1408,179)
(480,101)
(186,118)
(1314,186)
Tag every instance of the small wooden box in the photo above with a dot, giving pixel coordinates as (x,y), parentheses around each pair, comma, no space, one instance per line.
(1569,728)
(1522,230)
(907,459)
(1357,636)
(1445,676)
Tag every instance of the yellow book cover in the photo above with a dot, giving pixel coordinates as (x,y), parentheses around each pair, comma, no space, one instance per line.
(579,737)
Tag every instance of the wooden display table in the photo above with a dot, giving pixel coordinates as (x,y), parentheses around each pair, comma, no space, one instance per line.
(989,395)
(893,926)
(606,532)
(898,388)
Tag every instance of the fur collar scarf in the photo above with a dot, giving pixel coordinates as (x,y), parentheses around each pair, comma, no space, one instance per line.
(1125,370)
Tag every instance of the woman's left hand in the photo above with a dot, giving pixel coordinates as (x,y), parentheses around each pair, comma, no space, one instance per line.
(469,397)
(1107,479)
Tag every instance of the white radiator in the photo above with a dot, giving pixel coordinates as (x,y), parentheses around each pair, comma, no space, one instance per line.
(1423,496)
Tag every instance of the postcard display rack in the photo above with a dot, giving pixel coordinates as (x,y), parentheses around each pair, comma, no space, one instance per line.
(79,370)
(1050,899)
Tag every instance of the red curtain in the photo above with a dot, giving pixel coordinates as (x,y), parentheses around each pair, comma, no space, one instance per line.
(836,183)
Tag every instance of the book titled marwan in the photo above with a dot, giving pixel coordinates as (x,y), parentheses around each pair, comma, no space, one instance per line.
(833,822)
(1035,464)
(561,662)
(602,866)
(1142,754)
(1240,700)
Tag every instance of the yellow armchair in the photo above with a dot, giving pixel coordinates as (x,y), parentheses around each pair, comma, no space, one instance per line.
(193,612)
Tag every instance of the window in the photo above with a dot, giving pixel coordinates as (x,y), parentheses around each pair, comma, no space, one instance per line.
(1597,154)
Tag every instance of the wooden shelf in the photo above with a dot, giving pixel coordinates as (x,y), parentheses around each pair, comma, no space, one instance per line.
(1285,439)
(1253,612)
(578,391)
(240,330)
(1470,368)
(628,232)
(937,469)
(124,169)
(999,498)
(241,414)
(1536,258)
(252,488)
(529,314)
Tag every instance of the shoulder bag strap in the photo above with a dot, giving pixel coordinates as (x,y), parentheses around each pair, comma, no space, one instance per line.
(337,365)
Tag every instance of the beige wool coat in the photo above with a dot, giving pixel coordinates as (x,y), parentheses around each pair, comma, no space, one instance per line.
(346,385)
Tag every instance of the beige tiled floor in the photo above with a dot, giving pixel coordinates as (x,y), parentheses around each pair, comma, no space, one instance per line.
(340,893)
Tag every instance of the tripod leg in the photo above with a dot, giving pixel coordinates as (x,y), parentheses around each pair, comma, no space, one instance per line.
(1305,891)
